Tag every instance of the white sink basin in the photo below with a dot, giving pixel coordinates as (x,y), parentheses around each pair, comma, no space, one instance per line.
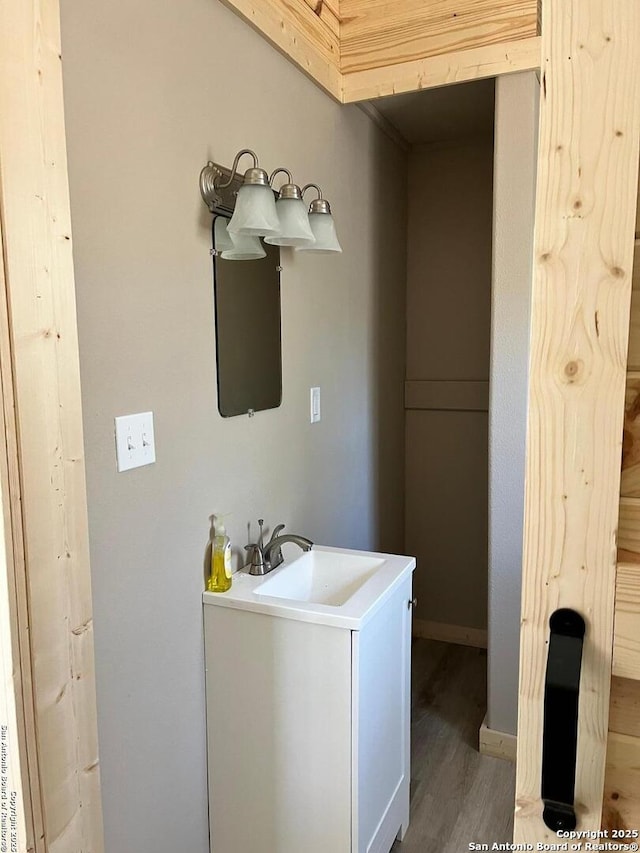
(322,577)
(330,586)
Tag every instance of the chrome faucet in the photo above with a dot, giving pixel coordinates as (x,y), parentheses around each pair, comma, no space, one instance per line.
(264,558)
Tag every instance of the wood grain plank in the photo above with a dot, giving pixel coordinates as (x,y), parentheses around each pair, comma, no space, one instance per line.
(633,358)
(621,809)
(630,480)
(624,711)
(328,12)
(378,48)
(295,30)
(14,785)
(379,33)
(34,209)
(497,744)
(16,619)
(583,255)
(16,694)
(638,213)
(455,67)
(629,530)
(626,647)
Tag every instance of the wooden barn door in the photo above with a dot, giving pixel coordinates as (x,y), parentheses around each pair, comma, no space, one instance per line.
(583,258)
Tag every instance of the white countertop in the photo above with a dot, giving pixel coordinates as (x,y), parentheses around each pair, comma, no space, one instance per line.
(353,614)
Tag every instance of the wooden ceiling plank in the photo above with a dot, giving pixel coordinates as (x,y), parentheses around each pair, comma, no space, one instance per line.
(460,67)
(328,13)
(375,35)
(361,49)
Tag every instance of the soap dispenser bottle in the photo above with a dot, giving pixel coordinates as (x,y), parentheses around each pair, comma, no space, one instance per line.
(220,578)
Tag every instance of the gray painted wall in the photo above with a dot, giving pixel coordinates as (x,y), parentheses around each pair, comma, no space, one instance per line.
(152,90)
(516,136)
(448,332)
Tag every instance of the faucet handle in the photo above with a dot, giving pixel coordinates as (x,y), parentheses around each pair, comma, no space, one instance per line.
(276,531)
(256,559)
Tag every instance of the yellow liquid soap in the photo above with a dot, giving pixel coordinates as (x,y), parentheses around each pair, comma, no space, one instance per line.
(219,581)
(220,577)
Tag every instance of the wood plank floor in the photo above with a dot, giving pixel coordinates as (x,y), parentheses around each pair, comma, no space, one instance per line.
(457,795)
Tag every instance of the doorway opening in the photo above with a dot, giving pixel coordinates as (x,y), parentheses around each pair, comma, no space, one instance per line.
(470,208)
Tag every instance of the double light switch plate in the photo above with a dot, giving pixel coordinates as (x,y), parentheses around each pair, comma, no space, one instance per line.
(135,443)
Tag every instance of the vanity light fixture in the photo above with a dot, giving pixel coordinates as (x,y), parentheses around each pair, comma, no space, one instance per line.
(250,201)
(295,229)
(322,225)
(235,247)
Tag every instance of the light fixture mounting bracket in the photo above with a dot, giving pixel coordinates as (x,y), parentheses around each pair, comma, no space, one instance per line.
(219,199)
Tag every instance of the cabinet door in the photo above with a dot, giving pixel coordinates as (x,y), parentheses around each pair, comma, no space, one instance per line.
(381,721)
(278,733)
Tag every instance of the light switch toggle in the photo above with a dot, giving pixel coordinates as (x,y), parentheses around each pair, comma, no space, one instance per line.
(315,406)
(135,444)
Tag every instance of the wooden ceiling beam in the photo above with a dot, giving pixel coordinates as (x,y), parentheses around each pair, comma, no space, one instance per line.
(328,13)
(458,67)
(357,50)
(379,33)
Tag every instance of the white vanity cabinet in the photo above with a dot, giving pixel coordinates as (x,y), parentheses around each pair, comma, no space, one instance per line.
(308,725)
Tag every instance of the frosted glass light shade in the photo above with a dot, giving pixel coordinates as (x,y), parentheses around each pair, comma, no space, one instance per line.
(324,230)
(294,224)
(236,247)
(255,212)
(221,237)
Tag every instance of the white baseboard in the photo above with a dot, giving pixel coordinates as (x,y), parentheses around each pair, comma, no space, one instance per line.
(497,744)
(457,634)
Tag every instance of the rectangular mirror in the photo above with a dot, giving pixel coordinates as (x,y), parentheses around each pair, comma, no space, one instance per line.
(248,341)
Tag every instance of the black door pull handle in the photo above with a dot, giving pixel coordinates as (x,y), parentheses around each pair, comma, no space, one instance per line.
(560,733)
